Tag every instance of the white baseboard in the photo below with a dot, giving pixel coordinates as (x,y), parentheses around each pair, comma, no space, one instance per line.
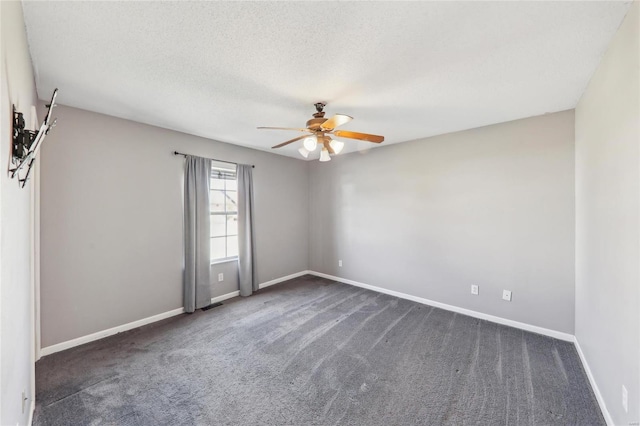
(594,385)
(125,327)
(521,325)
(225,297)
(32,409)
(261,286)
(281,279)
(144,321)
(109,332)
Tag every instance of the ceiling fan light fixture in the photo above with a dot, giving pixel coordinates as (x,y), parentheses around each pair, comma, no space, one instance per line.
(337,146)
(310,143)
(303,152)
(324,155)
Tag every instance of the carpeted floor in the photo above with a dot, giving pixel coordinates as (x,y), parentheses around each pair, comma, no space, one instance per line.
(315,352)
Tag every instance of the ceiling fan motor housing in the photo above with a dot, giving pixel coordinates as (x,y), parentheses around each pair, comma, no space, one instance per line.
(315,123)
(318,117)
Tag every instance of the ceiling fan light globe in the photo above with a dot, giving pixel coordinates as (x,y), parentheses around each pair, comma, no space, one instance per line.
(337,146)
(324,155)
(304,152)
(310,143)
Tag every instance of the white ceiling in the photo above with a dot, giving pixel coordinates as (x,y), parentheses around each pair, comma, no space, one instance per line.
(403,70)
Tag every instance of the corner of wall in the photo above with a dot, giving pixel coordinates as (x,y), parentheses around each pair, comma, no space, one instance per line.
(607,197)
(16,226)
(309,216)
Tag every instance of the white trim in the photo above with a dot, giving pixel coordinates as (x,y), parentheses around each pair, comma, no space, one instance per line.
(594,385)
(285,278)
(135,324)
(109,332)
(32,410)
(36,262)
(225,296)
(224,260)
(263,285)
(521,325)
(34,300)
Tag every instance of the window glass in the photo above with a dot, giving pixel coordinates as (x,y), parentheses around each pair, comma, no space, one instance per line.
(232,246)
(218,248)
(218,225)
(217,201)
(232,224)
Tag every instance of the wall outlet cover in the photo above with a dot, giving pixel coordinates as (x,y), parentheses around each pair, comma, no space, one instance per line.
(340,263)
(474,289)
(220,277)
(506,295)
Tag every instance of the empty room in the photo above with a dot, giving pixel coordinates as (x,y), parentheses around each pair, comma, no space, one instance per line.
(320,213)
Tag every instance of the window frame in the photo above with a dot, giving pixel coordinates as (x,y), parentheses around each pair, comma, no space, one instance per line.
(230,174)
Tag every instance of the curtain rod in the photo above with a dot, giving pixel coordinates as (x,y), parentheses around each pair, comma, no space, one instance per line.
(214,159)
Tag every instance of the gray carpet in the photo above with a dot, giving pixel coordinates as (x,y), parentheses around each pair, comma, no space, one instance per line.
(315,352)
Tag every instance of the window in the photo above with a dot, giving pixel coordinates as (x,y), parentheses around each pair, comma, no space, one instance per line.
(223,199)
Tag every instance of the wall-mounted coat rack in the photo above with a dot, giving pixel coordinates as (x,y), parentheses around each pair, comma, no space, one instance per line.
(27,143)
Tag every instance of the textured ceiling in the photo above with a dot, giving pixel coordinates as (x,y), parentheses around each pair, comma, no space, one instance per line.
(402,70)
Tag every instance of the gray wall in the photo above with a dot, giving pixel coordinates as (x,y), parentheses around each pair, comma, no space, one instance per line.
(229,270)
(16,205)
(607,228)
(492,206)
(111,227)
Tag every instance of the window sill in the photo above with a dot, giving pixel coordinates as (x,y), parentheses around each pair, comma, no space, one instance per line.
(226,260)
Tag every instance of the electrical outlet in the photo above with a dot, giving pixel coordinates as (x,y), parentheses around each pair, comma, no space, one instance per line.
(220,277)
(340,263)
(625,399)
(506,295)
(474,289)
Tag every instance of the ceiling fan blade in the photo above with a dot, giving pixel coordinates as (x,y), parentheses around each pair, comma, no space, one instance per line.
(361,136)
(289,141)
(286,128)
(335,121)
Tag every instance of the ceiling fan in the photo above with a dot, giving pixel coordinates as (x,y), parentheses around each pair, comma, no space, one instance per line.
(320,129)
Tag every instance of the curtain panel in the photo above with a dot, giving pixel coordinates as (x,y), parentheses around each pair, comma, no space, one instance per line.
(247,276)
(197,258)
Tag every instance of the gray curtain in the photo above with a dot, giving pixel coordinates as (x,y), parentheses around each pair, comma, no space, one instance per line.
(197,260)
(247,276)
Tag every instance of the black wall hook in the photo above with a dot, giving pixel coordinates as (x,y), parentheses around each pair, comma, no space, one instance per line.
(27,143)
